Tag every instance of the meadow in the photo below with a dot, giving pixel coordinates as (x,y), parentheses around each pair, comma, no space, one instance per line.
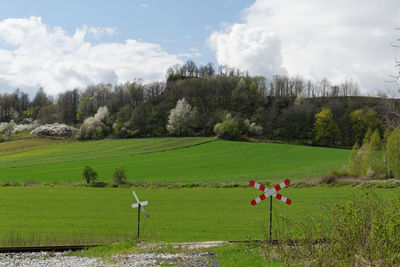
(43,215)
(51,212)
(192,159)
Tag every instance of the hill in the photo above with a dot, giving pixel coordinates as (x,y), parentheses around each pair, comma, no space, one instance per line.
(168,159)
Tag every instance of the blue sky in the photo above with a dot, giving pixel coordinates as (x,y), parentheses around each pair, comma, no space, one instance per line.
(62,45)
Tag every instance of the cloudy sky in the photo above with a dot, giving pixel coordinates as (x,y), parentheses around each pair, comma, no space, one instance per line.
(61,45)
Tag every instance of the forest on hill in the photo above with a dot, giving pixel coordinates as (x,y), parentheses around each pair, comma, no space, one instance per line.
(226,102)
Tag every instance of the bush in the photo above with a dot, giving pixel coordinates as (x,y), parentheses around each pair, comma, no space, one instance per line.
(228,129)
(255,129)
(98,184)
(364,232)
(55,129)
(359,232)
(369,159)
(89,174)
(393,152)
(356,160)
(26,125)
(329,179)
(120,175)
(234,128)
(94,127)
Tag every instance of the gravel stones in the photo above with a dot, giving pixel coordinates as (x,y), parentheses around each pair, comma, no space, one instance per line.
(46,259)
(143,259)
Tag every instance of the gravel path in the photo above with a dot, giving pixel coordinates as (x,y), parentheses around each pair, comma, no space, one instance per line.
(142,259)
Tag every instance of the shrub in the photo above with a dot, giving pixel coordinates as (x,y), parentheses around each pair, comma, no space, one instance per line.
(10,183)
(329,179)
(255,129)
(356,159)
(364,232)
(89,174)
(120,175)
(26,125)
(55,129)
(234,128)
(98,184)
(94,127)
(368,160)
(359,232)
(393,152)
(373,158)
(229,129)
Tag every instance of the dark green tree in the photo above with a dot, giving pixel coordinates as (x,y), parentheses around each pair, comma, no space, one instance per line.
(89,174)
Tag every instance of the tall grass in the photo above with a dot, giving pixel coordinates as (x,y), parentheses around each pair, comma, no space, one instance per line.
(359,232)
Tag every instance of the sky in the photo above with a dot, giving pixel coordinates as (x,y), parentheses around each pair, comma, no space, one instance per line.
(61,45)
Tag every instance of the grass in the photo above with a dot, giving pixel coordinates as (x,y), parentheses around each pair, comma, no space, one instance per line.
(22,144)
(169,160)
(242,255)
(106,252)
(60,216)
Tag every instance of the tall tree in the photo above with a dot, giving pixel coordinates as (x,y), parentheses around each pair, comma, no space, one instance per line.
(362,120)
(180,118)
(325,128)
(41,99)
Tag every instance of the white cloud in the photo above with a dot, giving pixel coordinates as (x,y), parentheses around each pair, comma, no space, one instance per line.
(98,32)
(47,56)
(314,38)
(248,48)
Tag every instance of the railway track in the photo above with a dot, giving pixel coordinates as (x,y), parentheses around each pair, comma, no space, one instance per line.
(275,242)
(45,248)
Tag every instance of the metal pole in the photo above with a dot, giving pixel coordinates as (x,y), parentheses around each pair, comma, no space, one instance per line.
(270,219)
(138,221)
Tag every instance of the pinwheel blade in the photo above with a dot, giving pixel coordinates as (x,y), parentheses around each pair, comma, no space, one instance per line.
(144,212)
(134,194)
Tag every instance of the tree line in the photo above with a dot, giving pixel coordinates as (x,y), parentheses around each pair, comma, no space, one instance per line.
(224,101)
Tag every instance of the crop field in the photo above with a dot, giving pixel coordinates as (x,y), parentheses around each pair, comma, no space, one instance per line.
(61,215)
(166,160)
(42,215)
(25,144)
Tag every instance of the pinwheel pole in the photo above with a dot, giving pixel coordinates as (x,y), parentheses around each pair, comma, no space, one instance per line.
(139,205)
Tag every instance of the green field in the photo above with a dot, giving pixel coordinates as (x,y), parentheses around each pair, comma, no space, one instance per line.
(168,160)
(71,215)
(89,215)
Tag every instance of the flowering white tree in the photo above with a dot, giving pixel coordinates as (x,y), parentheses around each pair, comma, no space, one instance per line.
(8,128)
(179,118)
(93,127)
